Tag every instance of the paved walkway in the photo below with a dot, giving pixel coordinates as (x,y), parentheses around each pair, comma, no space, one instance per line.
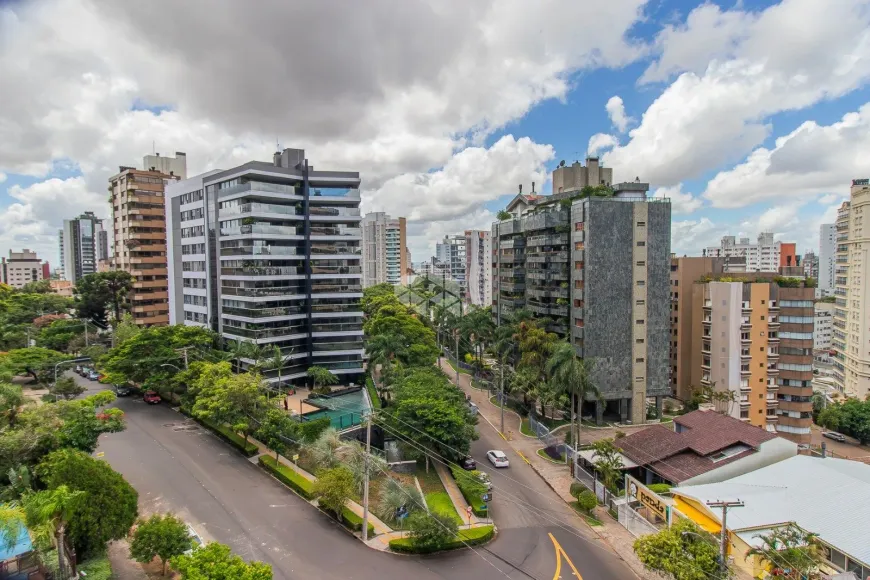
(123,566)
(556,476)
(455,495)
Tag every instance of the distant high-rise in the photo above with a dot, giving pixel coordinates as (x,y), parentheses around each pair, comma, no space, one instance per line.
(827,258)
(80,246)
(478,268)
(22,268)
(384,250)
(851,332)
(597,273)
(139,238)
(811,265)
(451,252)
(765,256)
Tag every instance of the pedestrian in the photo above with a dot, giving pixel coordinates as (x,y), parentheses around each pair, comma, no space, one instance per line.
(286,406)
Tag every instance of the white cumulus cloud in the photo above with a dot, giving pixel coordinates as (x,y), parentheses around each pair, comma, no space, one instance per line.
(616,111)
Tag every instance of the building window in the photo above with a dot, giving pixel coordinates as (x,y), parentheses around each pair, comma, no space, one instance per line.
(641,224)
(640,302)
(639,321)
(641,263)
(638,360)
(641,244)
(578,227)
(639,341)
(638,379)
(641,283)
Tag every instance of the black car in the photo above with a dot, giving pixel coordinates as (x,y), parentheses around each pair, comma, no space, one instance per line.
(468,464)
(123,391)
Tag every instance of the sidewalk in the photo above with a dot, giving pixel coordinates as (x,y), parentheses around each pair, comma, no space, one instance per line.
(556,476)
(455,495)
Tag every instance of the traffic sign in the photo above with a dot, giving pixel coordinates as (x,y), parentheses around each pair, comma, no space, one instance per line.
(468,510)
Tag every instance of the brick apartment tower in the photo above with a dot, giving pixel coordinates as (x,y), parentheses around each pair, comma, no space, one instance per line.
(139,232)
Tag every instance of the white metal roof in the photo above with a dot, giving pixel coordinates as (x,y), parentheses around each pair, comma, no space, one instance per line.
(825,496)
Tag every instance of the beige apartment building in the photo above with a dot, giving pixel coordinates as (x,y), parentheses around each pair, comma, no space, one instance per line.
(22,268)
(139,232)
(754,339)
(384,249)
(851,330)
(685,272)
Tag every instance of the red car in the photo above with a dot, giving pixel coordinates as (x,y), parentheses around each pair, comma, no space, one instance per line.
(151,397)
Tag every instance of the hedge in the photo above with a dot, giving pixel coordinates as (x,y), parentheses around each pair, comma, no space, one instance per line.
(471,537)
(354,522)
(471,490)
(97,568)
(373,393)
(287,476)
(227,434)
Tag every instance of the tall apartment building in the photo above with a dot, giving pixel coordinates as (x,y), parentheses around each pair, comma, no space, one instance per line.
(823,326)
(384,250)
(851,340)
(755,339)
(478,267)
(685,272)
(765,256)
(139,232)
(269,253)
(827,258)
(22,268)
(80,248)
(598,273)
(574,177)
(451,252)
(810,264)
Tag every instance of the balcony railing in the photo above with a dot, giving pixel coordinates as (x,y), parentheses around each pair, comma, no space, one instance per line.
(259,229)
(260,208)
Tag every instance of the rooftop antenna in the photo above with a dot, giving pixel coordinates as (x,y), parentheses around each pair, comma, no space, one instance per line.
(277,145)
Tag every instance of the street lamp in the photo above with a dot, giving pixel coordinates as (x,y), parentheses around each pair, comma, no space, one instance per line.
(171,365)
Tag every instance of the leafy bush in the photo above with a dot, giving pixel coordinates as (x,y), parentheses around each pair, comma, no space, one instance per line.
(311,430)
(288,477)
(472,537)
(432,531)
(577,488)
(659,488)
(97,568)
(472,488)
(354,522)
(586,501)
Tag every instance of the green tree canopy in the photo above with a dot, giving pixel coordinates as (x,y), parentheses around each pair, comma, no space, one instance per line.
(790,552)
(322,378)
(503,215)
(215,562)
(163,536)
(682,552)
(38,287)
(851,417)
(108,508)
(235,400)
(67,388)
(432,531)
(333,488)
(102,293)
(37,362)
(59,334)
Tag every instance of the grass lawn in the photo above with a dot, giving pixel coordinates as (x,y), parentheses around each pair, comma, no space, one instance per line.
(544,455)
(526,429)
(434,492)
(453,366)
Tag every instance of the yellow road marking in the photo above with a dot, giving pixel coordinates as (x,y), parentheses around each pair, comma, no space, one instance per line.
(520,453)
(560,553)
(502,435)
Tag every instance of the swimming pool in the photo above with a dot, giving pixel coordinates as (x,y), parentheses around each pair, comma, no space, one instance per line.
(344,410)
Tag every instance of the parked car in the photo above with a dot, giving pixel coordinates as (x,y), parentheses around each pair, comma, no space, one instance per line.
(473,408)
(93,375)
(151,397)
(78,369)
(123,391)
(83,371)
(835,436)
(497,458)
(484,479)
(468,464)
(195,539)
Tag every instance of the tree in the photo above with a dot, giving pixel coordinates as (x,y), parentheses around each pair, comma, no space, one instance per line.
(586,501)
(394,495)
(165,536)
(432,531)
(38,287)
(237,349)
(790,552)
(851,417)
(49,514)
(84,421)
(322,378)
(97,294)
(37,362)
(608,462)
(60,334)
(571,375)
(442,425)
(215,562)
(275,428)
(503,215)
(277,363)
(235,400)
(126,329)
(11,400)
(67,388)
(333,488)
(107,508)
(682,552)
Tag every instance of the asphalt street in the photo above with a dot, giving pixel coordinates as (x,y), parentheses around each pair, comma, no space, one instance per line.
(178,466)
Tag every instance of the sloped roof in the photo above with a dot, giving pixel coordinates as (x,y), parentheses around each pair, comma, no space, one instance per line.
(823,496)
(681,456)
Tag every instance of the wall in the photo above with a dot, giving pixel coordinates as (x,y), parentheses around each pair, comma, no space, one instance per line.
(725,361)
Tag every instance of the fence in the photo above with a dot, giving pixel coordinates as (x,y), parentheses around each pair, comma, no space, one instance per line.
(632,520)
(553,447)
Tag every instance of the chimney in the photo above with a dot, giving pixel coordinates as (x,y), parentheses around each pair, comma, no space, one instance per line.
(533,188)
(521,189)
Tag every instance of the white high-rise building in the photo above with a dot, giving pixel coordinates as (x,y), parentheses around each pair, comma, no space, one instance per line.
(82,246)
(451,252)
(823,325)
(827,257)
(851,333)
(384,250)
(478,268)
(763,256)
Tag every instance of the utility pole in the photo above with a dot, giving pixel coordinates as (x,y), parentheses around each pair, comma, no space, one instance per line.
(365,522)
(723,539)
(501,400)
(457,356)
(183,351)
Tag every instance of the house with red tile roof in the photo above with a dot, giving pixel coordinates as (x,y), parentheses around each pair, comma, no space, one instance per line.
(703,447)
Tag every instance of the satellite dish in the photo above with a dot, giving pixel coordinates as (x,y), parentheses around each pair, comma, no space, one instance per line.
(562,163)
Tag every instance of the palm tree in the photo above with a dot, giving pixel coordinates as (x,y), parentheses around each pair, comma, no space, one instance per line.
(608,462)
(277,362)
(256,353)
(571,374)
(47,514)
(237,349)
(322,378)
(790,551)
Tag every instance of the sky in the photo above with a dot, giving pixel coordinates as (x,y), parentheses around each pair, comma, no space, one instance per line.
(749,115)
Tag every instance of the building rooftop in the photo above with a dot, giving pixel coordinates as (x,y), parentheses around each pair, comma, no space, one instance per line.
(822,496)
(707,440)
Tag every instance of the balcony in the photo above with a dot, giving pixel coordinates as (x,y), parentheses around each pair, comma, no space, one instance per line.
(262,271)
(151,320)
(148,260)
(325,195)
(138,297)
(162,307)
(147,236)
(547,292)
(139,284)
(259,229)
(512,286)
(147,212)
(547,240)
(545,257)
(261,208)
(149,272)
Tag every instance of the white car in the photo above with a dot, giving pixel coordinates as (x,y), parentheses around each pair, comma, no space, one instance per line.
(497,458)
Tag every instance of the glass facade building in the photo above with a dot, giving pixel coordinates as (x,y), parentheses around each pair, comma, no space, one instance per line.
(269,253)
